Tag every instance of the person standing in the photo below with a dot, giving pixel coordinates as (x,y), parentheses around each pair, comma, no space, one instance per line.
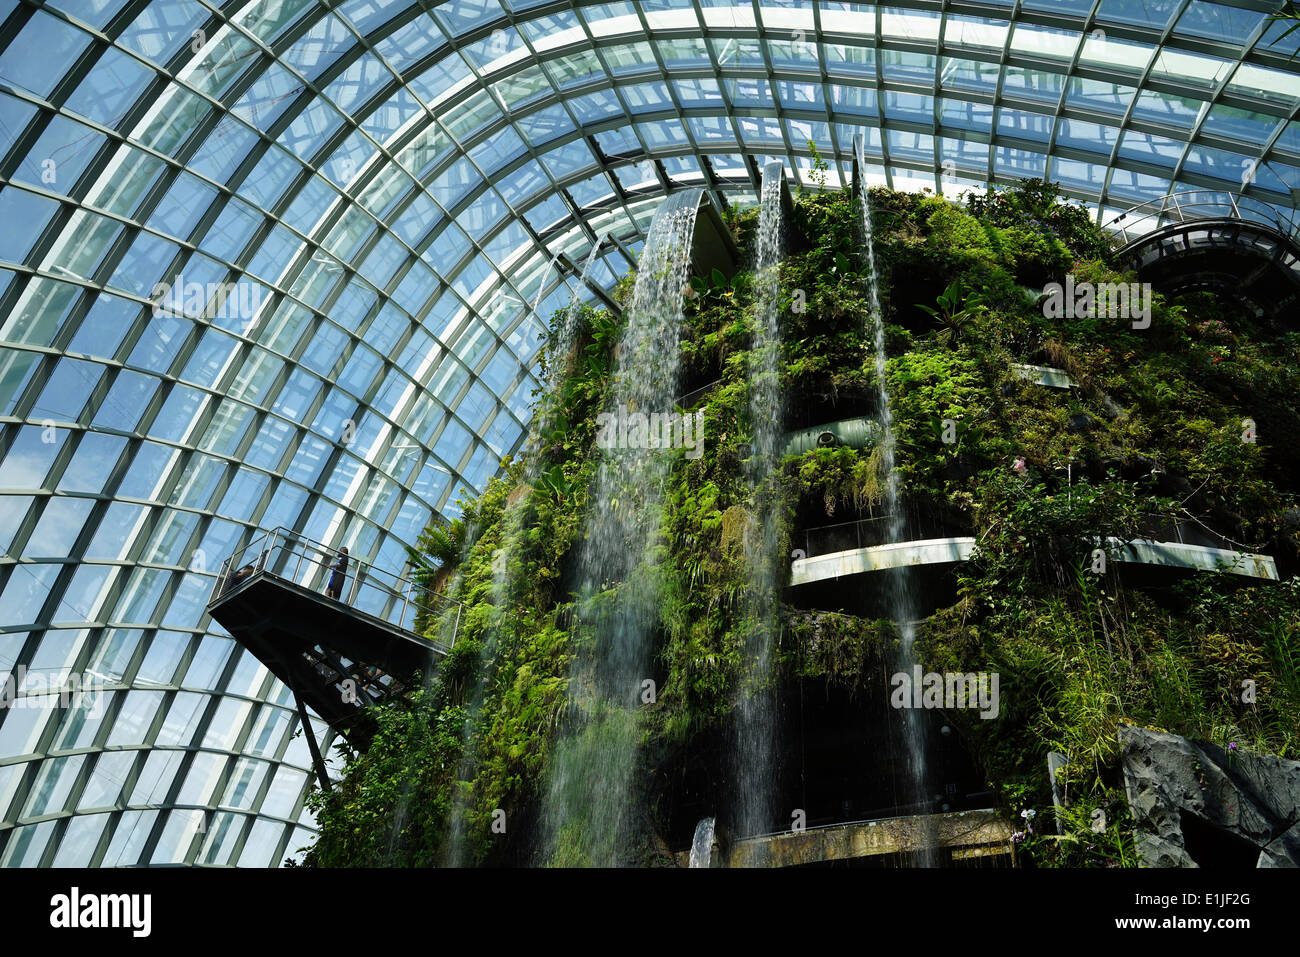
(338,575)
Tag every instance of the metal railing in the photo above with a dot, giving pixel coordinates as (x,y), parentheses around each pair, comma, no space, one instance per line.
(901,812)
(292,557)
(869,532)
(690,399)
(1153,526)
(1191,205)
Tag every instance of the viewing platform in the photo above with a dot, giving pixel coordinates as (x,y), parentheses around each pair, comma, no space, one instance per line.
(337,655)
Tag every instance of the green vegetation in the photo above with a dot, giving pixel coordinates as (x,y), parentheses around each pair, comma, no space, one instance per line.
(1154,427)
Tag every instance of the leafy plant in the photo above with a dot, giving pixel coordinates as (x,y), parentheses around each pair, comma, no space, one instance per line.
(1037,476)
(1289,13)
(819,167)
(952,311)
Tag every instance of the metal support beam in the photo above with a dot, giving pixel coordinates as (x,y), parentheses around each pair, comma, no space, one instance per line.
(317,760)
(568,265)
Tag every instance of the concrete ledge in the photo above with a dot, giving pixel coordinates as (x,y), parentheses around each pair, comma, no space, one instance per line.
(855,561)
(1043,375)
(1193,557)
(966,833)
(942,551)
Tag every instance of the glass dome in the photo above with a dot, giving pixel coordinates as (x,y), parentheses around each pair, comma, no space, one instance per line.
(285,263)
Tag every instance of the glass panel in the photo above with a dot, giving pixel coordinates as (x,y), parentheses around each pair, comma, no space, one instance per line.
(104,787)
(27,845)
(129,838)
(156,777)
(223,833)
(53,783)
(202,778)
(178,727)
(77,846)
(135,717)
(227,723)
(57,41)
(263,842)
(244,784)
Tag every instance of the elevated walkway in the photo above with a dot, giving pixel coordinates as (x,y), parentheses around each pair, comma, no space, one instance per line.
(873,558)
(851,567)
(959,835)
(1199,558)
(336,655)
(1175,554)
(1205,239)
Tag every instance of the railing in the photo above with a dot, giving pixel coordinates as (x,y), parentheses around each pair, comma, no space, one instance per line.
(688,400)
(1189,206)
(1167,528)
(869,532)
(901,812)
(292,557)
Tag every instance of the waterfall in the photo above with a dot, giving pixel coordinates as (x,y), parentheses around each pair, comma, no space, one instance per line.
(568,327)
(702,844)
(455,854)
(900,580)
(756,720)
(586,814)
(402,810)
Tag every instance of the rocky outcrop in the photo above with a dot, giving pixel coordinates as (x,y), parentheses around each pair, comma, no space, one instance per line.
(1195,804)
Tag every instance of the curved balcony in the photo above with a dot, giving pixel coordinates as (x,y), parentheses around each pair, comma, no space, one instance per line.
(825,556)
(1218,241)
(858,561)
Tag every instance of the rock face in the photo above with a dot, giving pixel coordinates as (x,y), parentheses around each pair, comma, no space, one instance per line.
(1197,805)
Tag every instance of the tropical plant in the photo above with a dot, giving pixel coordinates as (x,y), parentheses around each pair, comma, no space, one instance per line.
(954,310)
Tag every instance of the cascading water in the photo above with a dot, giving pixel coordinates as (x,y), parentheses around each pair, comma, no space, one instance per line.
(900,589)
(457,851)
(756,723)
(568,328)
(702,844)
(446,636)
(585,818)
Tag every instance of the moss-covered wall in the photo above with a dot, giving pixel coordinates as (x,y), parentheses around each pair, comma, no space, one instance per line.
(1155,425)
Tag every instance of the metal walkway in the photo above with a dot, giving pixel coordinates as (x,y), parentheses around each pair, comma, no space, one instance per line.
(960,835)
(336,655)
(1203,239)
(854,548)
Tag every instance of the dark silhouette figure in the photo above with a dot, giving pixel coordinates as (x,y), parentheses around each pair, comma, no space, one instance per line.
(338,576)
(243,574)
(247,571)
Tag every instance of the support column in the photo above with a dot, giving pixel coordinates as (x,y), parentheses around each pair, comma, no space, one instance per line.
(316,759)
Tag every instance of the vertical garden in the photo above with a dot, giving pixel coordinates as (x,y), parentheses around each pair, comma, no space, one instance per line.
(1187,422)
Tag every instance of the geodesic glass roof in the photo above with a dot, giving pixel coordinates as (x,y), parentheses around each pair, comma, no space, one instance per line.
(388,185)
